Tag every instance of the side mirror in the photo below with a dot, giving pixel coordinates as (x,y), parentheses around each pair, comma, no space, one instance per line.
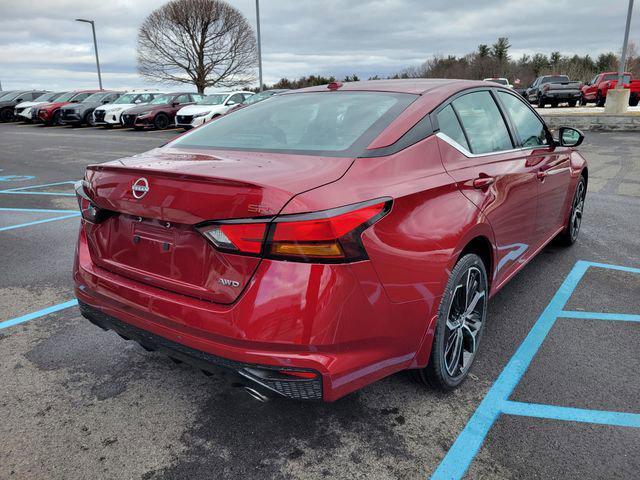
(19,100)
(570,137)
(231,102)
(138,101)
(73,101)
(104,102)
(175,104)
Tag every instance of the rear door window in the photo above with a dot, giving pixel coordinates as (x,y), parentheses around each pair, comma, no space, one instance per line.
(449,125)
(529,127)
(482,122)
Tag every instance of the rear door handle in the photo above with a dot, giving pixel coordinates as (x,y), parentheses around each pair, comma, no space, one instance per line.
(483,182)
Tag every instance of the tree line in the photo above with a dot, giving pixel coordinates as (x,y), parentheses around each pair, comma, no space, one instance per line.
(494,61)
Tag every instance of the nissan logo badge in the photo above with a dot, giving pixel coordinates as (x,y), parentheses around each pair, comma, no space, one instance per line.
(140,187)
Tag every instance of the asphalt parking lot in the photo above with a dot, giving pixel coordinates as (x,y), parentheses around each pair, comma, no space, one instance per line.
(553,394)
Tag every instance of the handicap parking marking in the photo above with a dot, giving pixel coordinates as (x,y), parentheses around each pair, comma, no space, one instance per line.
(29,189)
(40,313)
(496,402)
(64,214)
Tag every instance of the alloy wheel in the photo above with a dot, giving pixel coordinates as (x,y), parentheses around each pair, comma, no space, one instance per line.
(576,211)
(464,322)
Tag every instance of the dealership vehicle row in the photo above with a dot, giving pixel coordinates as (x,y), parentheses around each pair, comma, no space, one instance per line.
(154,109)
(138,109)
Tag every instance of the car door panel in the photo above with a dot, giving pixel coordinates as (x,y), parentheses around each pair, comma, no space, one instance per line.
(554,177)
(509,201)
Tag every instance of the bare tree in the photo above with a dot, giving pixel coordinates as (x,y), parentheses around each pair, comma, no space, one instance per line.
(201,42)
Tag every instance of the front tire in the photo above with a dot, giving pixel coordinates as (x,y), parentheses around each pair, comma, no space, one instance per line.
(600,100)
(461,318)
(161,122)
(570,233)
(6,115)
(56,120)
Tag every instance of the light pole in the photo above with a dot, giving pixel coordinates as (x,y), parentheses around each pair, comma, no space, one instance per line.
(259,47)
(623,57)
(618,98)
(95,46)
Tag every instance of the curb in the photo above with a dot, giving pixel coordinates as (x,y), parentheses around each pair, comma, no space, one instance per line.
(595,122)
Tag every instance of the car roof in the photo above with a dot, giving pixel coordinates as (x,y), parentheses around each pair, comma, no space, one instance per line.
(416,86)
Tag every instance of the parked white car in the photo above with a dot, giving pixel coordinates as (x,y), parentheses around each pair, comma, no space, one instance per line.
(22,111)
(109,115)
(209,107)
(500,81)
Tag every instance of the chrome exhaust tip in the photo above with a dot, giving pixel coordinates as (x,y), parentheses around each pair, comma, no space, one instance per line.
(256,395)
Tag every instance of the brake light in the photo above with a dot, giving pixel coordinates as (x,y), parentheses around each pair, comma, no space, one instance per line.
(89,211)
(329,236)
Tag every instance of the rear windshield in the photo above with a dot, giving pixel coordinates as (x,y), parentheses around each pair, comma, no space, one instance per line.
(614,76)
(330,123)
(555,79)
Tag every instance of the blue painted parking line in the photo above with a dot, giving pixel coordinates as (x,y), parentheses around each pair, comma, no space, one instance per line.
(568,414)
(496,401)
(37,210)
(38,314)
(29,189)
(37,222)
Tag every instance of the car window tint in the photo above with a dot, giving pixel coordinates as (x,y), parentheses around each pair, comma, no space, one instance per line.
(182,99)
(449,125)
(529,127)
(482,122)
(80,97)
(237,98)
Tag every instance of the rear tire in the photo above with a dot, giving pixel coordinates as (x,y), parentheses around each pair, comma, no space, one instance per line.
(461,318)
(633,102)
(161,122)
(600,100)
(570,233)
(583,101)
(572,103)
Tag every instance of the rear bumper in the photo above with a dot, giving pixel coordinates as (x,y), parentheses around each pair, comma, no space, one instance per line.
(268,380)
(330,319)
(560,95)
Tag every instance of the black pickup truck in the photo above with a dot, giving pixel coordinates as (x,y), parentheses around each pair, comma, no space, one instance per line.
(553,89)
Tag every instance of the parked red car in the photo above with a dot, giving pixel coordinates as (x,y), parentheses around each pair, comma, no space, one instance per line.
(595,91)
(160,113)
(331,236)
(50,114)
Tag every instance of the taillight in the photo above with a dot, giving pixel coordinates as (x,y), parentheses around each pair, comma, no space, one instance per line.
(329,236)
(89,211)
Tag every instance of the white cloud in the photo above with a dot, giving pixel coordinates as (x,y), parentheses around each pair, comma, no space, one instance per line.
(41,45)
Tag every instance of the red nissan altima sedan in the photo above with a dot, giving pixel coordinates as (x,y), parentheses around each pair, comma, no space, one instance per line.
(328,237)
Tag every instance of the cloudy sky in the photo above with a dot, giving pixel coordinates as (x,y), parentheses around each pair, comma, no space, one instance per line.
(41,46)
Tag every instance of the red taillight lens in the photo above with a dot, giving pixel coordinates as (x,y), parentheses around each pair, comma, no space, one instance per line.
(328,236)
(240,237)
(332,234)
(89,211)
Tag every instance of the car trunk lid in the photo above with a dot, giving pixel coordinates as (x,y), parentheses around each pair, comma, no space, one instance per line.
(152,238)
